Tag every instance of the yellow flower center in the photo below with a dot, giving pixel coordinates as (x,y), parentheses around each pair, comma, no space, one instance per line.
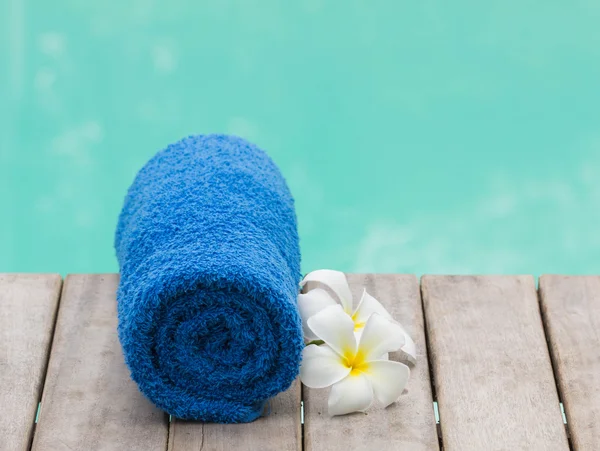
(356,362)
(357,325)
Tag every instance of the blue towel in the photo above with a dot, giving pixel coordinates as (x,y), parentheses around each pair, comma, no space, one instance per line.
(208,249)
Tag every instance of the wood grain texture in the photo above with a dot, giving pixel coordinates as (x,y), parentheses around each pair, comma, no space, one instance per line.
(571,310)
(89,401)
(278,431)
(28,304)
(408,424)
(491,365)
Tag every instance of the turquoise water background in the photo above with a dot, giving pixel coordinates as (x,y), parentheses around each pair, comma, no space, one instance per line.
(425,137)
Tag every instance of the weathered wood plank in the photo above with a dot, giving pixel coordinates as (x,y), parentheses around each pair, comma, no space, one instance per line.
(409,424)
(28,304)
(571,310)
(491,365)
(279,431)
(89,400)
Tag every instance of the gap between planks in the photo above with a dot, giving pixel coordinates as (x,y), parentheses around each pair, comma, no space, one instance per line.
(553,364)
(45,370)
(436,411)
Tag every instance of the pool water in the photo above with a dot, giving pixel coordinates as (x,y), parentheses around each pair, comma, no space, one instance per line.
(424,137)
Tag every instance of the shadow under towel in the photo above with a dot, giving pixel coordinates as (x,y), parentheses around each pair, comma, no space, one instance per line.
(207,245)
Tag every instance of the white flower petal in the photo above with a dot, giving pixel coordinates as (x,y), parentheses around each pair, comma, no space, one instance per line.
(409,347)
(358,334)
(352,394)
(335,280)
(369,305)
(336,328)
(388,380)
(381,335)
(311,303)
(321,366)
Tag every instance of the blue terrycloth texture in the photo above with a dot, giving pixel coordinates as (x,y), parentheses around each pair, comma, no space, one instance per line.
(208,248)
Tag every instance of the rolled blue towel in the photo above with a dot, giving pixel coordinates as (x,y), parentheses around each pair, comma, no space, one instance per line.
(207,245)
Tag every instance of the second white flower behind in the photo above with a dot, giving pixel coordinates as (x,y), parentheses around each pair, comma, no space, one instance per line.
(357,371)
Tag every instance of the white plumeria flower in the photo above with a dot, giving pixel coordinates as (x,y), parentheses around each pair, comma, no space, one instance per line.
(355,371)
(318,299)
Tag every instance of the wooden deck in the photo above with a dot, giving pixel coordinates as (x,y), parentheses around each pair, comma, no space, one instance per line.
(496,358)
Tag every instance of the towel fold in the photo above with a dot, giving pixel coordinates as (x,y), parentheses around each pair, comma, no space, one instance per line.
(207,245)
